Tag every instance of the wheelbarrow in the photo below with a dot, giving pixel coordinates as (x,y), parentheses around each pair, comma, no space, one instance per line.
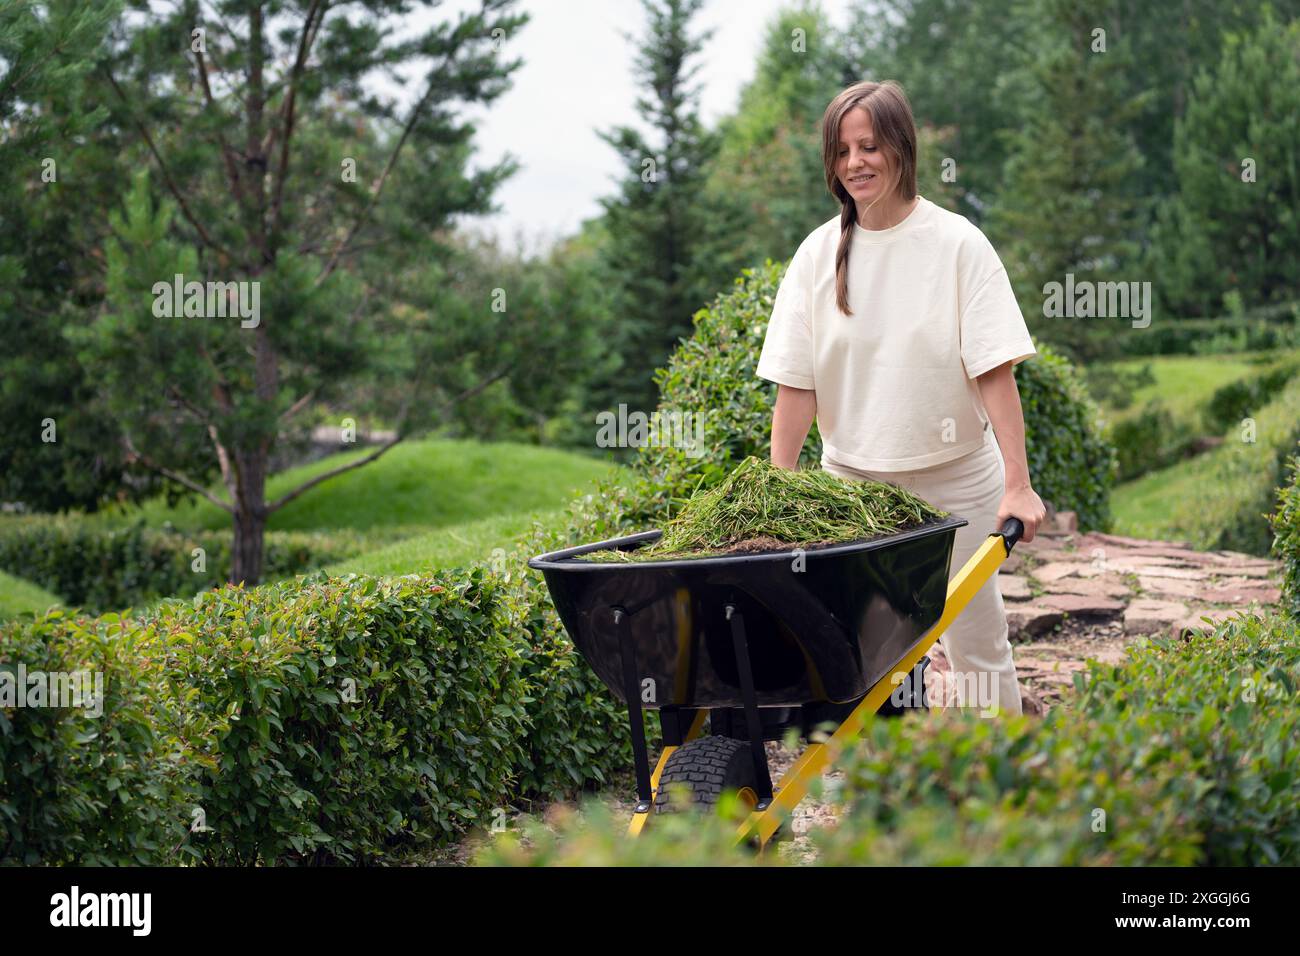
(759,643)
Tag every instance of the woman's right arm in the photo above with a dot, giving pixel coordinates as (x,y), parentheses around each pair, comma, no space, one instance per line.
(793,416)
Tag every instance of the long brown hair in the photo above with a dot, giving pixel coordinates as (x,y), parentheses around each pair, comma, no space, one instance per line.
(893,127)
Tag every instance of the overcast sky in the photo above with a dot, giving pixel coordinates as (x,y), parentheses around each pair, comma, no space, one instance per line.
(576,78)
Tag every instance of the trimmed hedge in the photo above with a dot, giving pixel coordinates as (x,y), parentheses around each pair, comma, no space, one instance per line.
(1187,753)
(108,569)
(1275,326)
(1285,522)
(327,720)
(110,790)
(1151,439)
(1072,464)
(1232,402)
(1229,509)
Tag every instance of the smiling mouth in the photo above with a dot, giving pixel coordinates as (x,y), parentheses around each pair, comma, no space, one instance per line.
(862,178)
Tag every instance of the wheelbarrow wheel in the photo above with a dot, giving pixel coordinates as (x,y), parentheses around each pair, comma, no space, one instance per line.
(708,766)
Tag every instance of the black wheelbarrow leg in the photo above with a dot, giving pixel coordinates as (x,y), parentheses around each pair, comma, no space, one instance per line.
(753,724)
(632,690)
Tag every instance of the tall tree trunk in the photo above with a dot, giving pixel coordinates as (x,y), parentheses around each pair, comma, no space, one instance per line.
(246,566)
(250,517)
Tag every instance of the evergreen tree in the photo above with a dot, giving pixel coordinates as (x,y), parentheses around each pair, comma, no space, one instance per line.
(1233,226)
(667,240)
(272,172)
(58,446)
(1063,209)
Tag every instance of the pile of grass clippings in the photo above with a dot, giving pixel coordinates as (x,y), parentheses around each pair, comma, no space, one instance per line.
(760,507)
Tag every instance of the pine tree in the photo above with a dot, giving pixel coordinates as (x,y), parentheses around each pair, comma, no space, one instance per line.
(1063,208)
(661,251)
(1234,223)
(272,171)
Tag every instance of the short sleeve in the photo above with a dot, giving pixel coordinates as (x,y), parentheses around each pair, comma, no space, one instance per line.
(787,356)
(993,330)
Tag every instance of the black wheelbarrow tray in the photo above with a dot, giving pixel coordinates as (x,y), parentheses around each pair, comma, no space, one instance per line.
(759,643)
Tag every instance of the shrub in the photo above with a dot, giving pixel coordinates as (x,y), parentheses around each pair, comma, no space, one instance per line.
(1285,522)
(1232,402)
(1071,463)
(332,719)
(1150,439)
(1229,506)
(1188,749)
(1268,327)
(577,731)
(76,788)
(108,569)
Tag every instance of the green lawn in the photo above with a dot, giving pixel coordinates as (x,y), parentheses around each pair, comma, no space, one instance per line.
(1144,507)
(18,596)
(1184,382)
(413,488)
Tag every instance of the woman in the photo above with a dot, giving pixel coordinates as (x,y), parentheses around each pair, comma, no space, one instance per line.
(896,327)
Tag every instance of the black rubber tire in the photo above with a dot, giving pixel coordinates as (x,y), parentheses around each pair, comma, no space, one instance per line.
(709,766)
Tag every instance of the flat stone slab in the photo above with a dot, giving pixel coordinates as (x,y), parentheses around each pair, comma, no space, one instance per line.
(1241,594)
(1144,616)
(1025,622)
(1095,538)
(1083,604)
(1092,587)
(1169,587)
(1014,587)
(1156,570)
(1055,570)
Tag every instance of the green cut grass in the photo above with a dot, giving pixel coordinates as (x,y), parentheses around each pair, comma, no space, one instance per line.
(759,501)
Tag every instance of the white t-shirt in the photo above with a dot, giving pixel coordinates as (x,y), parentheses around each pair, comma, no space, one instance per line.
(895,381)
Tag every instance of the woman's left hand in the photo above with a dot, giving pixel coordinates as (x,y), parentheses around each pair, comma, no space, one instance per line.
(1023,503)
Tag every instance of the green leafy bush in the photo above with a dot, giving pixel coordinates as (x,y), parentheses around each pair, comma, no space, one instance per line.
(1071,462)
(1114,385)
(1274,326)
(1186,753)
(108,569)
(332,719)
(577,731)
(1229,507)
(1285,522)
(1150,439)
(1232,402)
(116,788)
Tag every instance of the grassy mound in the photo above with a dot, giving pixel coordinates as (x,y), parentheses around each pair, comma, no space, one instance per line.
(762,507)
(18,596)
(417,487)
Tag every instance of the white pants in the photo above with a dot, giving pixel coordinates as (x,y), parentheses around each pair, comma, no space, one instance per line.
(976,642)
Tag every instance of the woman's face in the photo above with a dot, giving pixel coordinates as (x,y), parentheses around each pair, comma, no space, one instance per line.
(861,165)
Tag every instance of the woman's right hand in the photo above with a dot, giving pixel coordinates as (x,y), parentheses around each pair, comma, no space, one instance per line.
(793,416)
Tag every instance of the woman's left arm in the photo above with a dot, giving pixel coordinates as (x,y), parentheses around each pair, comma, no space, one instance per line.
(1001,398)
